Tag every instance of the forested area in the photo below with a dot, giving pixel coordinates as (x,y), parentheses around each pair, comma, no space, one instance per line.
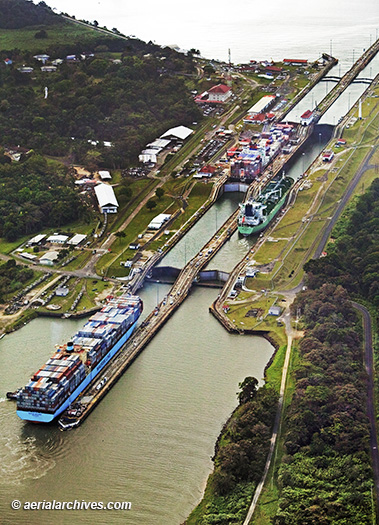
(35,195)
(326,475)
(21,13)
(13,277)
(240,457)
(353,258)
(127,104)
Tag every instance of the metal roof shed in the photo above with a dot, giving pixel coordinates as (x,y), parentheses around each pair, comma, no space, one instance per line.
(180,132)
(106,198)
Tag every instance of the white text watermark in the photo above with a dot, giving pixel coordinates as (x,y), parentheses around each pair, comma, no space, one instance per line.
(70,505)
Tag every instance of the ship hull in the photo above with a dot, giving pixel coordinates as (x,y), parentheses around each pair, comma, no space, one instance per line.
(48,417)
(253,230)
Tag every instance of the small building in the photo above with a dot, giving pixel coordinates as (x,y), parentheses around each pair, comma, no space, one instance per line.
(219,94)
(275,310)
(8,62)
(36,240)
(77,239)
(327,156)
(42,58)
(57,239)
(206,171)
(28,256)
(106,198)
(159,221)
(295,62)
(49,258)
(306,118)
(159,144)
(147,158)
(61,291)
(48,69)
(25,69)
(105,175)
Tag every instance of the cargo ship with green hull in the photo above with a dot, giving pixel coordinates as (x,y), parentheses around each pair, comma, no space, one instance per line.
(256,214)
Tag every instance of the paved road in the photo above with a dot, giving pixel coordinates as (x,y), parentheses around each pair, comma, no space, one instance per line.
(347,196)
(369,364)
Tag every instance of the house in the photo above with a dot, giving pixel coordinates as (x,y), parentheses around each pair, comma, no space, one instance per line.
(106,198)
(61,291)
(219,93)
(159,221)
(295,62)
(49,258)
(42,58)
(57,239)
(48,69)
(8,62)
(25,69)
(306,118)
(36,240)
(105,175)
(207,171)
(77,239)
(178,133)
(275,310)
(273,69)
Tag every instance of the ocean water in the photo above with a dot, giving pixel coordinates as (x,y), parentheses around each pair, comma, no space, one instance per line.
(249,28)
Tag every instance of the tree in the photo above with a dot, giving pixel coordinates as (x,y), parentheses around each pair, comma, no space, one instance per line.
(159,192)
(40,34)
(248,389)
(151,204)
(120,235)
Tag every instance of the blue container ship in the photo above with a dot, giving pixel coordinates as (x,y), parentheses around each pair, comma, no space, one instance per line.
(77,363)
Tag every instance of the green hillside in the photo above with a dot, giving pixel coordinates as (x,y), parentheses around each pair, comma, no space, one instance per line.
(98,109)
(16,14)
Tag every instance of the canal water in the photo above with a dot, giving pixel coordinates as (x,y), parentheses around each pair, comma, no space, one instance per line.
(148,442)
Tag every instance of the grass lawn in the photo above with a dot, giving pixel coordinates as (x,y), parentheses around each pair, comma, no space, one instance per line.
(59,34)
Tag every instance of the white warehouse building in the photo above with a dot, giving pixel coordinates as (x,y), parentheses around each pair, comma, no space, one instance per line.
(106,198)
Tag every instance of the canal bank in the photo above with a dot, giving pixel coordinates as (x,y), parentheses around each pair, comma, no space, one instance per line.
(151,438)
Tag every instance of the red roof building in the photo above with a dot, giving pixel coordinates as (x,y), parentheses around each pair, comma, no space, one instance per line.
(295,62)
(274,69)
(219,93)
(306,118)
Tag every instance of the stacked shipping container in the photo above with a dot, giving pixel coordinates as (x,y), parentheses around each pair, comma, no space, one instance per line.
(66,369)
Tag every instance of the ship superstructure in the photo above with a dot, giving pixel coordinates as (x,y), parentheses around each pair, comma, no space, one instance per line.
(75,364)
(256,214)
